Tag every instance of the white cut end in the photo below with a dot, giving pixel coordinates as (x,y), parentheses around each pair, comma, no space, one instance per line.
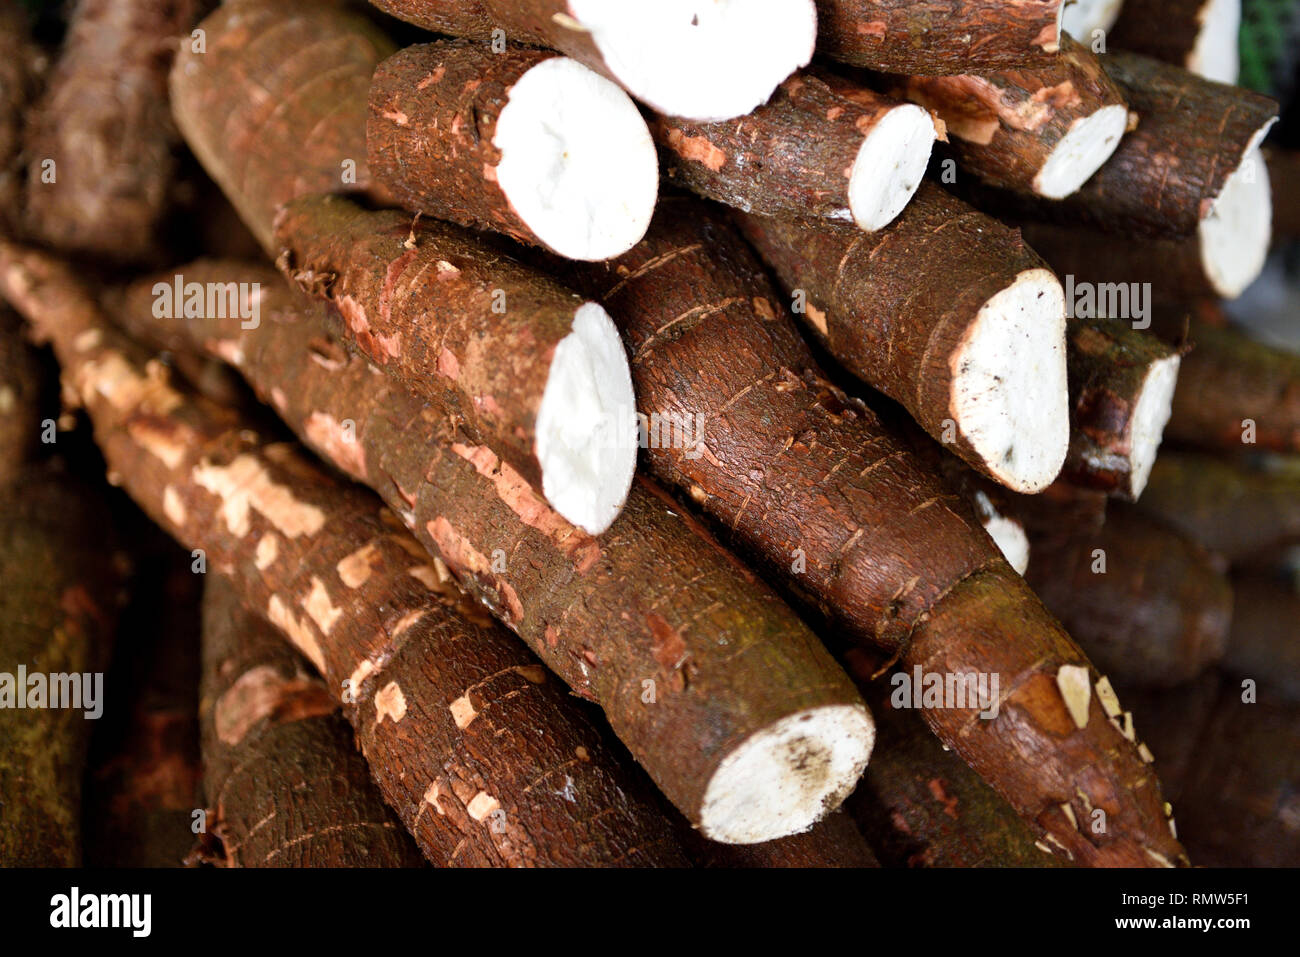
(578,165)
(784,779)
(1081,151)
(1214,55)
(1234,237)
(889,166)
(586,423)
(1154,404)
(1009,395)
(1080,17)
(1007,533)
(700,59)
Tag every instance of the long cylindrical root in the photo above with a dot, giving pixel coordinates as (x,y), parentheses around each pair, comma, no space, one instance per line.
(525,142)
(939,36)
(743,423)
(975,350)
(551,394)
(285,785)
(1233,391)
(821,147)
(428,691)
(99,143)
(920,806)
(1042,131)
(58,611)
(1198,35)
(268,126)
(1262,644)
(723,695)
(697,59)
(1148,606)
(1231,509)
(1121,388)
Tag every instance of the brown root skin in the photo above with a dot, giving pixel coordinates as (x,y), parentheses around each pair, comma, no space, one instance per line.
(1229,508)
(1109,363)
(362,600)
(864,305)
(1164,30)
(833,841)
(143,776)
(58,612)
(1148,606)
(1262,643)
(1228,381)
(1166,174)
(432,120)
(796,471)
(1003,125)
(418,298)
(1096,766)
(571,597)
(285,785)
(790,157)
(938,36)
(266,126)
(103,124)
(22,69)
(920,806)
(23,389)
(1284,182)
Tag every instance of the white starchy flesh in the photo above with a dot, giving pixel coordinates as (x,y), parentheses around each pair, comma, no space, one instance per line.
(1082,150)
(1080,17)
(577,162)
(1009,397)
(700,59)
(1234,237)
(889,166)
(1214,55)
(1149,419)
(586,423)
(1007,534)
(783,779)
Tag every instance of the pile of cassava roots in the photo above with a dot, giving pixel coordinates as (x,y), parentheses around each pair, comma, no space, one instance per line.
(652,433)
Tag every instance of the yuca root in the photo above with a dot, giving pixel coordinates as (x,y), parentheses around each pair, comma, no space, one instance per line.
(920,806)
(144,769)
(697,665)
(833,841)
(362,602)
(1232,509)
(453,132)
(925,345)
(1261,644)
(821,147)
(1122,383)
(1043,130)
(938,36)
(845,515)
(1233,392)
(22,397)
(419,299)
(1148,606)
(268,126)
(1198,35)
(22,66)
(99,143)
(285,786)
(58,612)
(1284,183)
(705,61)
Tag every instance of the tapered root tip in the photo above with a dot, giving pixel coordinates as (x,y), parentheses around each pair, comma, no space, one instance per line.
(1150,416)
(1009,395)
(1234,237)
(1089,143)
(889,166)
(785,778)
(586,423)
(578,165)
(704,60)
